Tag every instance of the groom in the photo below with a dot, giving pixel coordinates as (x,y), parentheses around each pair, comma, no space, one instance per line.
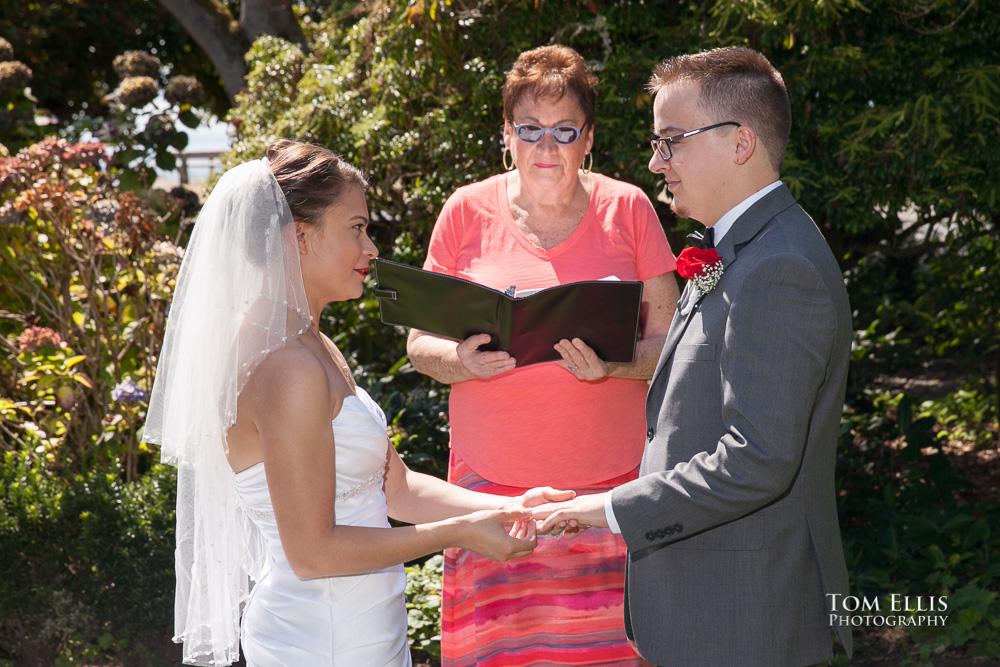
(732,528)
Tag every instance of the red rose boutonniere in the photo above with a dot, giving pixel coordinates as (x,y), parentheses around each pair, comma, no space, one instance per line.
(703,267)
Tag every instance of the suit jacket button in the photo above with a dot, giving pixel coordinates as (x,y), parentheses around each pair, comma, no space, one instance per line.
(650,433)
(650,536)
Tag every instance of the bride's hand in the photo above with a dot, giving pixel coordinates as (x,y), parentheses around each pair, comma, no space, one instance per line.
(499,535)
(540,495)
(522,530)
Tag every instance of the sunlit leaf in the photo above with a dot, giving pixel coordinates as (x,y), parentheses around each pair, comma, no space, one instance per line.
(73,361)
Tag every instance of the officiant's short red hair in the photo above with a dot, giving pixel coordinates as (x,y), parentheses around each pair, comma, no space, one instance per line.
(550,72)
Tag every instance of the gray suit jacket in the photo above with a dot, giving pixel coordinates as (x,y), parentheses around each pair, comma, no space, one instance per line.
(732,525)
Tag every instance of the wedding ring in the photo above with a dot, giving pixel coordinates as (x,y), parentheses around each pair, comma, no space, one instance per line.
(573,369)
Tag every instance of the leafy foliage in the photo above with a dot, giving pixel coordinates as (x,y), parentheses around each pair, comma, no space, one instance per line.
(87,562)
(423,606)
(906,533)
(893,112)
(944,306)
(89,264)
(85,522)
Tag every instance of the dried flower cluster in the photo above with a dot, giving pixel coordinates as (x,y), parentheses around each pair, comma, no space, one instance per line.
(34,339)
(85,153)
(184,91)
(134,220)
(136,63)
(137,91)
(23,169)
(6,50)
(35,180)
(14,76)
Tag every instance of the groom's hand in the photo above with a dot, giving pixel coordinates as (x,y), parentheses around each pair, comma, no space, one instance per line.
(571,517)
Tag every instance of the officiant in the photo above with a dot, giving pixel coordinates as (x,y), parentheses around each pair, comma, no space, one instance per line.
(578,423)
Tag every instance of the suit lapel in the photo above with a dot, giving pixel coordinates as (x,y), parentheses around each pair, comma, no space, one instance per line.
(743,231)
(685,308)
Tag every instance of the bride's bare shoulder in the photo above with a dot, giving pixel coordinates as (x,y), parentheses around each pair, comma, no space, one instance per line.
(290,374)
(287,395)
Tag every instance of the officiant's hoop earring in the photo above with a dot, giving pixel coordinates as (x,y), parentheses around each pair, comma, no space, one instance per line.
(590,164)
(506,154)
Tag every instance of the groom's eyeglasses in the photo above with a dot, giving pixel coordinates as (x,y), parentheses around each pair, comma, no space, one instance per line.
(532,134)
(663,145)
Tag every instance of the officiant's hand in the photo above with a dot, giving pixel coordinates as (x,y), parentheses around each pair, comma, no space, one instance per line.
(481,364)
(572,517)
(581,360)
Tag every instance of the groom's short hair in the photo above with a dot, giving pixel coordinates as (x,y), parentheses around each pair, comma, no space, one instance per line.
(736,84)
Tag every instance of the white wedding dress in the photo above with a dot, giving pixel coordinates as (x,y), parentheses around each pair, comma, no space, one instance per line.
(353,621)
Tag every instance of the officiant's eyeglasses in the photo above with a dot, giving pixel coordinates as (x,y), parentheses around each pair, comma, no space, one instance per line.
(532,134)
(663,145)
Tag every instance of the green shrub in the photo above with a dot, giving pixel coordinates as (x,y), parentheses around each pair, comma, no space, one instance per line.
(86,528)
(423,606)
(87,563)
(905,532)
(965,413)
(87,276)
(973,626)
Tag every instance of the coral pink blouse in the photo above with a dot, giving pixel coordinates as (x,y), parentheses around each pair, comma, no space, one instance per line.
(539,425)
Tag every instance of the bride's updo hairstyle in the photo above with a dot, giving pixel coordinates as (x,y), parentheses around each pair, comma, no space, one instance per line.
(311,177)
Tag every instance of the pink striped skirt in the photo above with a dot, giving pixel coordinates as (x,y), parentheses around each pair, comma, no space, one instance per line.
(562,605)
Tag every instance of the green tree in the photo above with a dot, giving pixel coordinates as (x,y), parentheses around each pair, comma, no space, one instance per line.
(71,46)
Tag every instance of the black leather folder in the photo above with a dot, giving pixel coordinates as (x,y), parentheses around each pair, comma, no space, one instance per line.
(602,313)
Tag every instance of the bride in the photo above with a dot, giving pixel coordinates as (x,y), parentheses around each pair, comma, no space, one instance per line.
(268,492)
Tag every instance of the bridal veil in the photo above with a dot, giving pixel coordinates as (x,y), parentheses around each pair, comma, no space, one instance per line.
(239,296)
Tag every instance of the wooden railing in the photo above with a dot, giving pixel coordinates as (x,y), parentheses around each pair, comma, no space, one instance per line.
(210,158)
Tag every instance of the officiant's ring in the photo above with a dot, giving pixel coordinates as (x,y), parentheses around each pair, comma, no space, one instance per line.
(573,369)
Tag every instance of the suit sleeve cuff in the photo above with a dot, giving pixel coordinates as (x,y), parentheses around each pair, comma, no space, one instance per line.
(609,514)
